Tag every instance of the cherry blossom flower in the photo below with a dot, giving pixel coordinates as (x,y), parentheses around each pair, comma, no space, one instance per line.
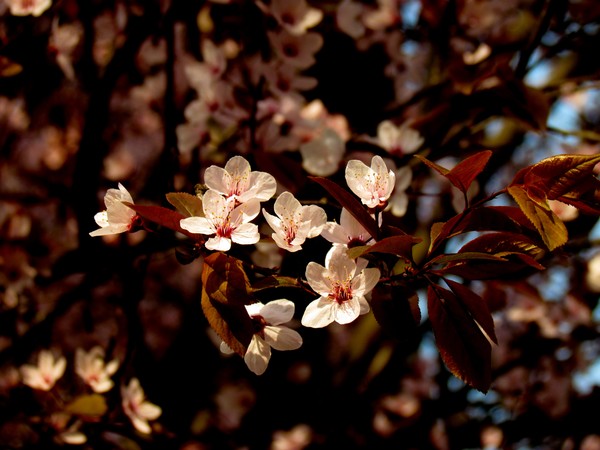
(294,222)
(226,222)
(342,285)
(348,233)
(398,202)
(348,18)
(398,140)
(322,155)
(373,185)
(117,218)
(269,333)
(297,51)
(91,368)
(237,181)
(46,373)
(28,7)
(137,408)
(296,16)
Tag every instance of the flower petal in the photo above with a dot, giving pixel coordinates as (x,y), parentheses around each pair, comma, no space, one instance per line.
(277,312)
(317,278)
(198,225)
(282,338)
(319,313)
(257,356)
(347,311)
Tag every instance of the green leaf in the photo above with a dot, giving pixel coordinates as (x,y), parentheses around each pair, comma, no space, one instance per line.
(225,291)
(93,405)
(465,256)
(462,345)
(275,281)
(551,229)
(187,204)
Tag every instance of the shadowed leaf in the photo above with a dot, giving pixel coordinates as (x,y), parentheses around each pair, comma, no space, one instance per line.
(395,245)
(396,309)
(465,172)
(463,347)
(225,291)
(93,405)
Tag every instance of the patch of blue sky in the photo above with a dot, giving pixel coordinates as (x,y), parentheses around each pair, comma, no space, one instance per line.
(410,12)
(584,381)
(595,232)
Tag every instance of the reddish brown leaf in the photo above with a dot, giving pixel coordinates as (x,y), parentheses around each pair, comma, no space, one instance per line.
(441,170)
(225,291)
(476,306)
(551,229)
(463,347)
(465,172)
(396,309)
(351,203)
(395,245)
(162,216)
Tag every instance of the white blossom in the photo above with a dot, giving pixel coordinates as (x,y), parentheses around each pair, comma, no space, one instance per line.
(137,408)
(298,51)
(342,285)
(268,320)
(238,181)
(399,140)
(225,221)
(91,368)
(296,16)
(46,373)
(398,202)
(294,222)
(373,185)
(28,7)
(117,217)
(322,155)
(349,232)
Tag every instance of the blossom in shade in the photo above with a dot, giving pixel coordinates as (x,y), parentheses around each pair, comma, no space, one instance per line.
(398,140)
(227,222)
(349,232)
(238,181)
(294,222)
(298,51)
(28,7)
(47,372)
(322,155)
(398,202)
(342,285)
(91,368)
(137,408)
(117,217)
(269,333)
(373,185)
(348,18)
(296,16)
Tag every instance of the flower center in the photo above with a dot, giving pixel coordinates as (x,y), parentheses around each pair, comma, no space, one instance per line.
(341,293)
(224,230)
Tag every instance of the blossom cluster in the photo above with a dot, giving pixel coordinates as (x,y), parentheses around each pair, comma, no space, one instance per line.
(231,203)
(96,374)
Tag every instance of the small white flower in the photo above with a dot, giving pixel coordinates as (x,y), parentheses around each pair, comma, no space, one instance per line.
(294,223)
(137,408)
(298,51)
(342,285)
(28,7)
(269,333)
(91,368)
(322,155)
(46,373)
(398,140)
(348,18)
(294,15)
(349,232)
(237,181)
(226,222)
(374,184)
(117,218)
